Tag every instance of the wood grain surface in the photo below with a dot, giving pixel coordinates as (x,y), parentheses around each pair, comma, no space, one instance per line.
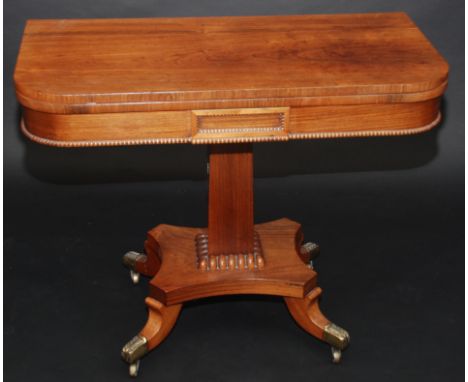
(101,65)
(95,82)
(179,279)
(306,312)
(230,207)
(161,320)
(164,127)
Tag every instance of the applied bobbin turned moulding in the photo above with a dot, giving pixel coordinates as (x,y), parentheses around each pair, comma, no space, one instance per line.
(227,82)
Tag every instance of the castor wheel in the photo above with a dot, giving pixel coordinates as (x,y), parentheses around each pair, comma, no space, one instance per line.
(134,276)
(336,355)
(133,368)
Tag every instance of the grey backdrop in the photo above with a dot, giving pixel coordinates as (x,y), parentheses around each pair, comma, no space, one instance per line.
(388,214)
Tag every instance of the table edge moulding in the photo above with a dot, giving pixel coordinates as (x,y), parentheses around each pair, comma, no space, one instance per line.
(227,82)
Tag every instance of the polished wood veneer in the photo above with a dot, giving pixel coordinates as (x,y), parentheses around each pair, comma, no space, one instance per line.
(318,122)
(284,273)
(334,76)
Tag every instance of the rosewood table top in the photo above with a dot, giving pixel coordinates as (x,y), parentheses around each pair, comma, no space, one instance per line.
(94,82)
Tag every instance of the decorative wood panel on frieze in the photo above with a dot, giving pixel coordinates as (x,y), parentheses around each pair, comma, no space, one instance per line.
(240,125)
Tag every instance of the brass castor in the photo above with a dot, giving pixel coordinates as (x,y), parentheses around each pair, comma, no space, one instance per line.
(161,319)
(132,352)
(129,260)
(338,338)
(310,251)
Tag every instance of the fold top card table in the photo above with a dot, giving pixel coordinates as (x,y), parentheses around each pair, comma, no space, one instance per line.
(227,82)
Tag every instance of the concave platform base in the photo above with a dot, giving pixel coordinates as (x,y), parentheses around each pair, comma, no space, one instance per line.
(172,260)
(179,279)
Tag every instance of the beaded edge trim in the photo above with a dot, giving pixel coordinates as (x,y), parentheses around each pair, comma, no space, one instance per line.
(241,130)
(158,141)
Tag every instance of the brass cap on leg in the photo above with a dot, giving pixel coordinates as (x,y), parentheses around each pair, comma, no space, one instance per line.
(135,349)
(309,252)
(130,259)
(310,249)
(337,337)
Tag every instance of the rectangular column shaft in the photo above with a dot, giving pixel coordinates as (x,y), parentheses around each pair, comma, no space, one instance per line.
(230,215)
